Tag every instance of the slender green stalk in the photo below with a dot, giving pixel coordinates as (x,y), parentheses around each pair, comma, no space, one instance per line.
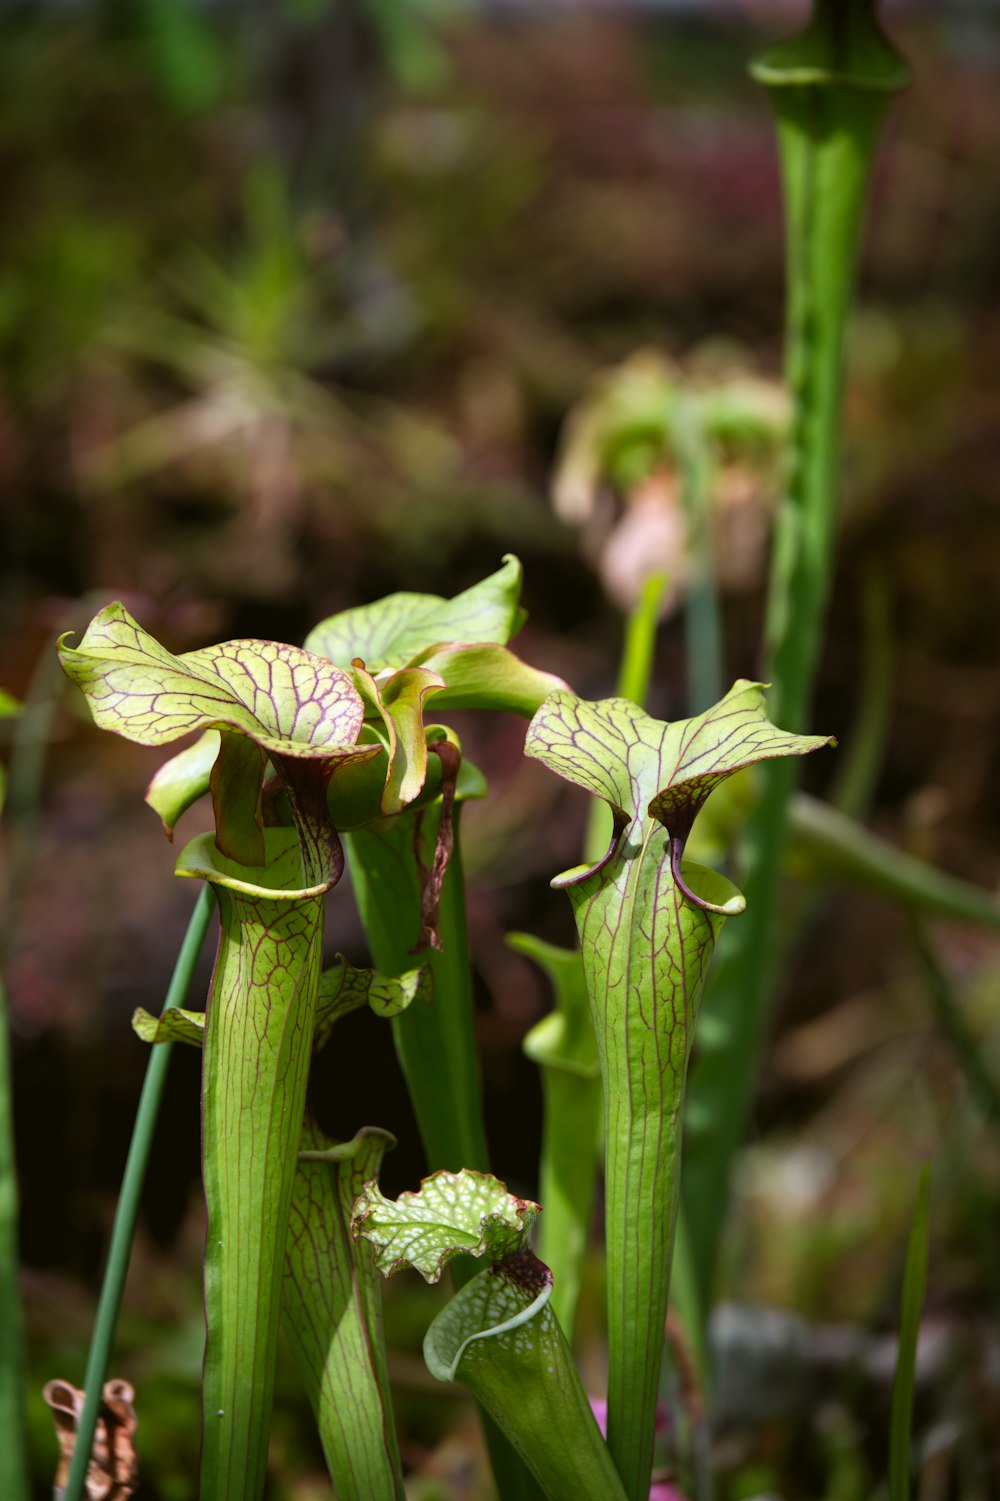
(635,671)
(829,846)
(123,1230)
(830,87)
(911,1307)
(948,1015)
(864,750)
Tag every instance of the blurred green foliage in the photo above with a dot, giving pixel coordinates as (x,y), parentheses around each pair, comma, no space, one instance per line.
(295,300)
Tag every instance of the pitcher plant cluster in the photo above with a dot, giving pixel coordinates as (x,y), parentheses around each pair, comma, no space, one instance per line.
(334,752)
(297,748)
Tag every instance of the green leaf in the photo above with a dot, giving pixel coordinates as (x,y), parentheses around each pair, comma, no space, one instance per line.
(182,780)
(297,708)
(826,844)
(638,764)
(332,1314)
(397,701)
(395,630)
(914,1288)
(500,1338)
(291,702)
(451,1213)
(648,922)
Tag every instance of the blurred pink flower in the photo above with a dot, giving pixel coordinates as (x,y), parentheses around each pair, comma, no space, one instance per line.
(660,1490)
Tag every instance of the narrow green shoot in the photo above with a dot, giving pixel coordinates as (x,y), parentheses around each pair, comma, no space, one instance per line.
(827,845)
(830,87)
(947,1010)
(911,1308)
(702,621)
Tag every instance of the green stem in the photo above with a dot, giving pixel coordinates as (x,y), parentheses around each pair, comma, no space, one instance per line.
(128,1204)
(830,846)
(948,1015)
(635,672)
(829,88)
(911,1308)
(861,763)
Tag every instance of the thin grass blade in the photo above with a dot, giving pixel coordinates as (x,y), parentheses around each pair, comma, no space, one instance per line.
(911,1308)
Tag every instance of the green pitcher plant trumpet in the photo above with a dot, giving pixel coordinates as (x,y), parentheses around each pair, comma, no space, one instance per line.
(271,704)
(349,750)
(498,1335)
(648,921)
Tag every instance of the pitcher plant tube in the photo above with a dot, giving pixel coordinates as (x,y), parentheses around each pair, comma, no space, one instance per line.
(498,1335)
(648,921)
